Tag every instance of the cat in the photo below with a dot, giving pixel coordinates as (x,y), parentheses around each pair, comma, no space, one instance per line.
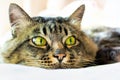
(49,42)
(108,41)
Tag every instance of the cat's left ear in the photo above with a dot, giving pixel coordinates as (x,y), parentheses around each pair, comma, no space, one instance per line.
(17,14)
(76,17)
(19,20)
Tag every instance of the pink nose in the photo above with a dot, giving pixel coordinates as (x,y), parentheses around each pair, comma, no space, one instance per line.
(59,56)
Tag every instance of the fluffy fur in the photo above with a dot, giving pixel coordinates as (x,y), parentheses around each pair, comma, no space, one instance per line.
(55,54)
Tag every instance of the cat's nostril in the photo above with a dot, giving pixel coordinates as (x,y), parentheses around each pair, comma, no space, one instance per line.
(59,56)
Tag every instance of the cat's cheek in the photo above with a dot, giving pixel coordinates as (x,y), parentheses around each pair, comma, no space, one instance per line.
(54,60)
(66,59)
(80,53)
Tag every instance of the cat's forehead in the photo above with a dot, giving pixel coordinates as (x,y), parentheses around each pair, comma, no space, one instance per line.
(51,19)
(52,25)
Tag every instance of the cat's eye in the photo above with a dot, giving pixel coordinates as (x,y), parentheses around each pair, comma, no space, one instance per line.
(70,41)
(39,41)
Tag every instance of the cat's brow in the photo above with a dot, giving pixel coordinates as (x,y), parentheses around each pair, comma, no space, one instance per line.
(44,30)
(51,25)
(37,30)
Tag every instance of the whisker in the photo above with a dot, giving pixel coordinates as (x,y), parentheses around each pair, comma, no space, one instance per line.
(88,62)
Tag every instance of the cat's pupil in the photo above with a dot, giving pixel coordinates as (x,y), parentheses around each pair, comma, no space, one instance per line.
(41,41)
(70,40)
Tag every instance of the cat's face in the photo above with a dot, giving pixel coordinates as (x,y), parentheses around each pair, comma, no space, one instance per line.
(48,42)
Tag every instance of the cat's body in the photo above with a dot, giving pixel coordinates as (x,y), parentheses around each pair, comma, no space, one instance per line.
(48,42)
(108,41)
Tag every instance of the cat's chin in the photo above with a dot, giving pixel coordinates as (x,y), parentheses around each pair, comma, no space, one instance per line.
(56,65)
(60,66)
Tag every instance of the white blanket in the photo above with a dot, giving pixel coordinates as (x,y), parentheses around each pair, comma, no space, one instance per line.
(18,72)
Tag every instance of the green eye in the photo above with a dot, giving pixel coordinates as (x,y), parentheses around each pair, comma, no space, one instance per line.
(70,41)
(39,41)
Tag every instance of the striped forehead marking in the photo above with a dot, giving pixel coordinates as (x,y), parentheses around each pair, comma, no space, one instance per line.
(51,25)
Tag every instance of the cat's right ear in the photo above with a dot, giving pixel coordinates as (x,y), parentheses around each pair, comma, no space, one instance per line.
(17,14)
(76,17)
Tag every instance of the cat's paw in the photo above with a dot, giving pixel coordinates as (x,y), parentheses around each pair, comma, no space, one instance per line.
(108,55)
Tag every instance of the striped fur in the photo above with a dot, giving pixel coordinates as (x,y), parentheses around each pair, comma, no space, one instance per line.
(55,54)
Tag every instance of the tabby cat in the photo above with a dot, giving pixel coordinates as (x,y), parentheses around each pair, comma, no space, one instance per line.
(53,42)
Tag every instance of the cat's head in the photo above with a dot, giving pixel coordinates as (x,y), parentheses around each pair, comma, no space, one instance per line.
(48,42)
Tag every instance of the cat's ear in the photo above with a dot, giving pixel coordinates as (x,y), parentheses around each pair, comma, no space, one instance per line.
(76,17)
(16,14)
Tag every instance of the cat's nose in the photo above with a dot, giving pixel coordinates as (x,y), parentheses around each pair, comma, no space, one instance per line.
(60,56)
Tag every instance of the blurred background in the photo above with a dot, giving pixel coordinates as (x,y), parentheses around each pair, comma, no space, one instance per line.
(97,13)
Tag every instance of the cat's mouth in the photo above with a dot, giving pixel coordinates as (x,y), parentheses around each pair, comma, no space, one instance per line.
(56,64)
